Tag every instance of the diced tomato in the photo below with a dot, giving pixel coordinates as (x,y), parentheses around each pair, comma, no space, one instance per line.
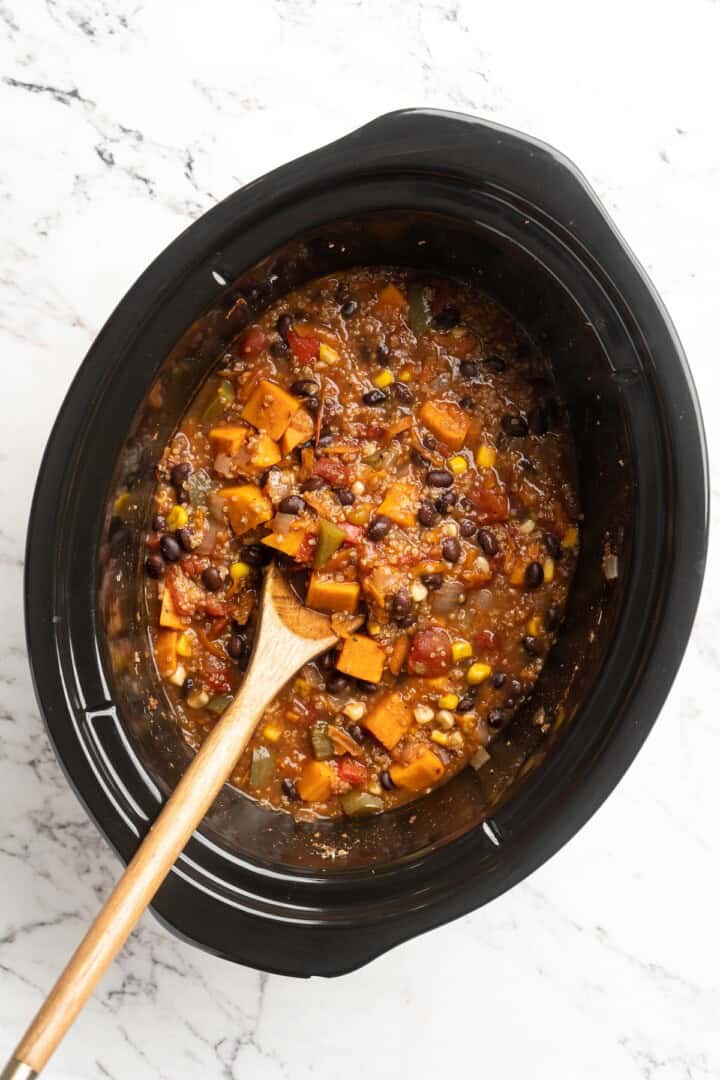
(306,551)
(353,772)
(193,566)
(215,673)
(253,342)
(353,533)
(304,349)
(430,653)
(487,641)
(490,501)
(187,596)
(215,607)
(331,470)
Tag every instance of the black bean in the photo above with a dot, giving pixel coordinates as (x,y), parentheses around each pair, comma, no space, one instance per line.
(447,319)
(403,393)
(417,458)
(440,478)
(256,554)
(383,353)
(312,404)
(468,369)
(326,662)
(291,504)
(445,501)
(344,496)
(158,523)
(466,704)
(494,363)
(180,473)
(401,605)
(467,528)
(313,483)
(211,579)
(357,733)
(337,683)
(364,687)
(374,397)
(154,566)
(379,527)
(349,308)
(284,326)
(304,388)
(552,618)
(514,426)
(170,548)
(553,545)
(427,515)
(498,679)
(467,403)
(537,424)
(185,539)
(534,575)
(451,549)
(495,718)
(531,645)
(432,581)
(429,442)
(386,780)
(289,789)
(279,350)
(487,542)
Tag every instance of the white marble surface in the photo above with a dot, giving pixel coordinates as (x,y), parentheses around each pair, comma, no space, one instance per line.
(120,122)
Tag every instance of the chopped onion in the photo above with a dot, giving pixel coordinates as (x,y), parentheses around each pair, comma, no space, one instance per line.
(209,539)
(448,597)
(479,600)
(281,523)
(279,484)
(479,758)
(216,506)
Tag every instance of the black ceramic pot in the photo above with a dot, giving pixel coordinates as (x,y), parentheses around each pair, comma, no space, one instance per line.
(412,188)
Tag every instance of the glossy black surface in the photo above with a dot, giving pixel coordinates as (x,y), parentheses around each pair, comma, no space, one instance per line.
(448,192)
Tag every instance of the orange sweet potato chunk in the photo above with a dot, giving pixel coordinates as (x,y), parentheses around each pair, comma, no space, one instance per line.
(247,507)
(447,421)
(300,429)
(228,438)
(288,543)
(328,595)
(421,773)
(270,409)
(166,652)
(362,658)
(315,783)
(265,452)
(389,720)
(391,296)
(400,504)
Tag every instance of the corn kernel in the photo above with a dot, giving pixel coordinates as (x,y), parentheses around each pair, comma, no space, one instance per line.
(570,537)
(238,571)
(359,515)
(449,701)
(455,741)
(383,379)
(548,570)
(458,464)
(445,719)
(177,518)
(178,676)
(272,732)
(485,457)
(405,375)
(198,699)
(423,714)
(358,488)
(328,354)
(374,788)
(418,592)
(355,710)
(477,673)
(535,626)
(184,645)
(461,650)
(527,527)
(439,737)
(373,628)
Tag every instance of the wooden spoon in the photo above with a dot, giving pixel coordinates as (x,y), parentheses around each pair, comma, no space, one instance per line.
(288,635)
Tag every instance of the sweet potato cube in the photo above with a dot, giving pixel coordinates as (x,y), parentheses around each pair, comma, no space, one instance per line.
(270,409)
(247,507)
(265,452)
(328,595)
(300,429)
(166,652)
(362,658)
(228,438)
(315,783)
(419,774)
(399,654)
(169,616)
(391,296)
(288,543)
(447,421)
(400,504)
(389,720)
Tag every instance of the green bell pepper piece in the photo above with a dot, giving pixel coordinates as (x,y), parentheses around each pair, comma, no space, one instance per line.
(329,539)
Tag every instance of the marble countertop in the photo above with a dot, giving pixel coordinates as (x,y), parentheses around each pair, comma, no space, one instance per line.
(122,121)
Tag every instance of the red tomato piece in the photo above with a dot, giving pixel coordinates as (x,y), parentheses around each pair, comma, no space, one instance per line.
(187,596)
(253,342)
(353,533)
(304,349)
(487,640)
(353,772)
(430,653)
(490,502)
(331,470)
(215,673)
(306,551)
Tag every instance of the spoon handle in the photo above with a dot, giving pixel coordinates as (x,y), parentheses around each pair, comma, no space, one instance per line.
(278,655)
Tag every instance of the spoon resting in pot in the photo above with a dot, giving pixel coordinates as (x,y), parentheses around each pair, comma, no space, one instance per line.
(288,635)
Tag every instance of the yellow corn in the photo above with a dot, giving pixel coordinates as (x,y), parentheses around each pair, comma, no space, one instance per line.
(485,457)
(449,701)
(373,628)
(383,379)
(238,571)
(184,645)
(177,518)
(548,570)
(458,464)
(272,732)
(405,375)
(534,626)
(359,515)
(439,737)
(328,354)
(478,673)
(570,538)
(461,650)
